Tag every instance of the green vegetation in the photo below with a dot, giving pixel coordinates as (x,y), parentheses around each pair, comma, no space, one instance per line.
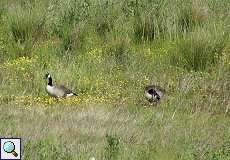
(107,51)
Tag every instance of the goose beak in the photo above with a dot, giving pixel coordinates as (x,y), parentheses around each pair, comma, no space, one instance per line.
(46,75)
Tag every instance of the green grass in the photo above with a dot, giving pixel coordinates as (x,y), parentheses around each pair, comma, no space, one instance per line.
(107,132)
(108,51)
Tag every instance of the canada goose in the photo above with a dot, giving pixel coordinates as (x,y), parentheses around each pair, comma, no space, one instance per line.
(154,93)
(58,91)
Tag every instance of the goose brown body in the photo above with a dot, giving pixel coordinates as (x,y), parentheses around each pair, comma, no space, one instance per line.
(154,93)
(57,91)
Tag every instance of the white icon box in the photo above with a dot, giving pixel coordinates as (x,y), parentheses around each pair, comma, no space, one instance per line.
(10,148)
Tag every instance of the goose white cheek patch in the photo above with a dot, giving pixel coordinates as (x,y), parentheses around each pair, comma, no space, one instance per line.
(68,95)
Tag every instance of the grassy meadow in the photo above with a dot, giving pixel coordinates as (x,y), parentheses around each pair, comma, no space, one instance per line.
(108,51)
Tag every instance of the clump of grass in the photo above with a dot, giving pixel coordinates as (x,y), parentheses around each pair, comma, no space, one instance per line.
(111,70)
(112,148)
(6,99)
(105,19)
(184,15)
(66,21)
(46,149)
(61,13)
(200,12)
(103,25)
(118,50)
(199,49)
(222,152)
(190,15)
(25,27)
(148,25)
(2,11)
(144,29)
(25,24)
(23,76)
(66,36)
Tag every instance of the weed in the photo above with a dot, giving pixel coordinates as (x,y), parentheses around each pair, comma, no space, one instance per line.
(46,149)
(112,148)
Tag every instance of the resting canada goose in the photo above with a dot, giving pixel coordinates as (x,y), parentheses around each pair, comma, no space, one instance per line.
(58,91)
(154,93)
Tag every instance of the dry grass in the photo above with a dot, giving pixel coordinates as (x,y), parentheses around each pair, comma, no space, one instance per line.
(107,53)
(82,130)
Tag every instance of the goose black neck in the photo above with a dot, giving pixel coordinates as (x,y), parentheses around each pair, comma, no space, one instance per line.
(50,81)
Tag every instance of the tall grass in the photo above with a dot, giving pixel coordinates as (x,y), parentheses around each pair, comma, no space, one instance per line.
(25,27)
(84,37)
(108,51)
(200,49)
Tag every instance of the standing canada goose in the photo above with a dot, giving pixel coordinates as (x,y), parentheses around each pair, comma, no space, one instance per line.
(58,91)
(154,93)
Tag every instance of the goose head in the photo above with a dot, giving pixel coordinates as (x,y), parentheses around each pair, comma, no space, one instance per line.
(48,78)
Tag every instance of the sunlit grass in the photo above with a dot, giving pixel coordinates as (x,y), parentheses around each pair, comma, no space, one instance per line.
(107,52)
(30,101)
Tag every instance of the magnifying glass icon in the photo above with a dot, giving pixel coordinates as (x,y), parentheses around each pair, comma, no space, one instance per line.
(9,147)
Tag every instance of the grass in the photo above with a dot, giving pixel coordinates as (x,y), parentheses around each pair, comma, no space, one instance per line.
(115,132)
(108,51)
